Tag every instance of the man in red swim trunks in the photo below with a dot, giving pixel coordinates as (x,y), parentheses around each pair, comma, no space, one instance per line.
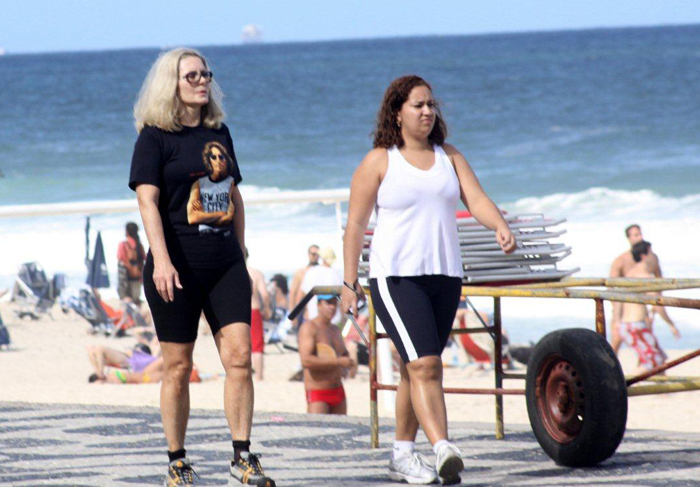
(260,310)
(324,358)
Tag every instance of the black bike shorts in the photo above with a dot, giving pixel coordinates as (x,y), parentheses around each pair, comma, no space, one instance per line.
(223,294)
(417,311)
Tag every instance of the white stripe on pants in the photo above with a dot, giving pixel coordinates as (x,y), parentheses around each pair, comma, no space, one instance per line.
(396,318)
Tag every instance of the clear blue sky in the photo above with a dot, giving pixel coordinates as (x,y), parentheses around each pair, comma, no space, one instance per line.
(69,25)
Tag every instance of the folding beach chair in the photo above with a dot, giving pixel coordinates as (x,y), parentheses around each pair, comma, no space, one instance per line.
(34,293)
(102,317)
(277,331)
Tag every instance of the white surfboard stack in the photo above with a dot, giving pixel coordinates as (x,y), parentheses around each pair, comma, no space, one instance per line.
(535,259)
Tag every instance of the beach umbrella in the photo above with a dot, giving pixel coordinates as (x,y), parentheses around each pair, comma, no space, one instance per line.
(97,270)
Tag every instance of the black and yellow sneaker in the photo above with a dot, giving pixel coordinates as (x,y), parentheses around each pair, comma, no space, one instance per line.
(180,473)
(247,470)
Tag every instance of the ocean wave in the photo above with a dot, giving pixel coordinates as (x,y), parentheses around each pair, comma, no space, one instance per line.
(602,204)
(278,236)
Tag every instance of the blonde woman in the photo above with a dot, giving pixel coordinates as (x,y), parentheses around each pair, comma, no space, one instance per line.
(186,178)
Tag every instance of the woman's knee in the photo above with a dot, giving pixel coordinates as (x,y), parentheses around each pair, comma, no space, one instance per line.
(178,369)
(236,357)
(427,368)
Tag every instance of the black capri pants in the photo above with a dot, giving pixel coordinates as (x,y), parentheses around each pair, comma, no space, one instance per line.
(417,311)
(223,293)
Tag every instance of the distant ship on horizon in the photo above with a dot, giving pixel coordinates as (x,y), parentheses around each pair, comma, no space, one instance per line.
(252,34)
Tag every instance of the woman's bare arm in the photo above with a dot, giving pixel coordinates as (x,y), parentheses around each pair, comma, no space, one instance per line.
(165,275)
(238,216)
(363,194)
(477,201)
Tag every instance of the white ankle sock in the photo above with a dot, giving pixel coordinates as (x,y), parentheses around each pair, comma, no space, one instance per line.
(403,447)
(438,444)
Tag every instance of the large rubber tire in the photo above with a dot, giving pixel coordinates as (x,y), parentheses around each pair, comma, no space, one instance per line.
(576,397)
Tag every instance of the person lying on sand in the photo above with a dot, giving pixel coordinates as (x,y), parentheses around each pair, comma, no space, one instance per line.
(152,373)
(135,360)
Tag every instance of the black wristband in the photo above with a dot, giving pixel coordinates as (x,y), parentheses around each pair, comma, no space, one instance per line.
(357,281)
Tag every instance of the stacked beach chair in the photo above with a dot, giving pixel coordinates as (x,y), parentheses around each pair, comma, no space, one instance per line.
(535,259)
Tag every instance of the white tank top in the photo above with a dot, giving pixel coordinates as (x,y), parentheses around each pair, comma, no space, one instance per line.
(416,230)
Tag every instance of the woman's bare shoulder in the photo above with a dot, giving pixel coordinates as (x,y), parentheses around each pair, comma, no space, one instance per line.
(377,155)
(451,150)
(375,162)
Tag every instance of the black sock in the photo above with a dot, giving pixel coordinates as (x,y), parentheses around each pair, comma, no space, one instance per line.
(238,447)
(176,455)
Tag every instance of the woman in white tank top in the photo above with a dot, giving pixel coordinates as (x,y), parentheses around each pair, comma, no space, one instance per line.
(415,181)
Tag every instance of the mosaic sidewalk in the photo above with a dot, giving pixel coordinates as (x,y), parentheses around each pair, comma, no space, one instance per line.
(90,445)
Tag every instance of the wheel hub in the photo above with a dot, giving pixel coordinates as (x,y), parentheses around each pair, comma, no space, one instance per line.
(560,398)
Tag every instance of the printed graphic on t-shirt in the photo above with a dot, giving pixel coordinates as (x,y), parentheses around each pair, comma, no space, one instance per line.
(210,203)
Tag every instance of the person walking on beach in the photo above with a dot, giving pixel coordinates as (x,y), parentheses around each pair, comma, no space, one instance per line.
(260,309)
(324,358)
(195,263)
(636,323)
(320,275)
(415,180)
(130,260)
(298,277)
(621,267)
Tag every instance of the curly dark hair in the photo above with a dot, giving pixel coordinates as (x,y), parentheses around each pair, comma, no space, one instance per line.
(281,282)
(640,248)
(222,150)
(387,133)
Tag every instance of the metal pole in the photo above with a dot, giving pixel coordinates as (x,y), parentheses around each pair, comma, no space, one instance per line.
(600,317)
(373,410)
(339,219)
(478,315)
(688,385)
(87,241)
(626,297)
(663,367)
(498,367)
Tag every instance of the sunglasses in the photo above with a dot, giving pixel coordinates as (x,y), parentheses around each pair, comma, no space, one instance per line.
(217,157)
(194,77)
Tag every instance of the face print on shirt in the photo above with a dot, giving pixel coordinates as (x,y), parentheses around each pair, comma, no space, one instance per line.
(210,203)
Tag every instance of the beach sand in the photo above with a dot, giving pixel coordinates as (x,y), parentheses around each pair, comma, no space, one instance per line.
(48,364)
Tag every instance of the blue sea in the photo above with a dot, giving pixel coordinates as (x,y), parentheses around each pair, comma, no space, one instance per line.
(599,126)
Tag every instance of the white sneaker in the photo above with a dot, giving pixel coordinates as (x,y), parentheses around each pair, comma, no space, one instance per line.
(413,468)
(449,464)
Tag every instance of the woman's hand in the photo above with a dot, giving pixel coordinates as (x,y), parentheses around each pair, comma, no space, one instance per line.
(505,239)
(166,278)
(350,298)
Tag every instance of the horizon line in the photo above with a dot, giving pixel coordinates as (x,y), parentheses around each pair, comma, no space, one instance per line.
(353,39)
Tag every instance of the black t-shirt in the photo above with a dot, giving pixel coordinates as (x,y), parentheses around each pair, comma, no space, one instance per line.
(195,170)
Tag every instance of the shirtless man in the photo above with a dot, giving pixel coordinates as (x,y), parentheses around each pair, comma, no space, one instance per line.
(621,267)
(323,371)
(313,254)
(260,308)
(636,323)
